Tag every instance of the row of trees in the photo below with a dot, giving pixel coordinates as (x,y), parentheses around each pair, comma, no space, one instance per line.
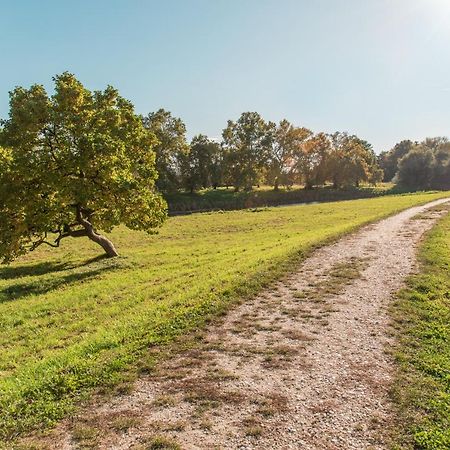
(78,162)
(253,151)
(418,165)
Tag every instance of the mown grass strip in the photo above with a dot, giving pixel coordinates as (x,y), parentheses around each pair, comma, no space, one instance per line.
(70,323)
(228,199)
(422,318)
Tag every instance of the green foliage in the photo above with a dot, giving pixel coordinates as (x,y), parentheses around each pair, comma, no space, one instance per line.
(286,148)
(162,443)
(202,165)
(388,161)
(227,199)
(424,165)
(310,160)
(423,317)
(170,150)
(350,160)
(70,162)
(253,152)
(286,154)
(70,323)
(415,169)
(247,145)
(441,170)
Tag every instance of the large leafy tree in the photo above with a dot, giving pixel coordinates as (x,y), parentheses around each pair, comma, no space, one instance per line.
(287,145)
(351,160)
(201,165)
(373,173)
(441,176)
(416,168)
(388,160)
(72,164)
(310,160)
(247,145)
(171,148)
(417,165)
(426,165)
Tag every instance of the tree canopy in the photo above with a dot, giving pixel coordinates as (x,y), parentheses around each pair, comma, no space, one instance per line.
(287,149)
(426,165)
(388,160)
(247,144)
(171,148)
(77,162)
(201,165)
(254,151)
(415,169)
(72,164)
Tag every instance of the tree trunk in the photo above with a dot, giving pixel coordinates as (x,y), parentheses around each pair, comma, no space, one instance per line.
(276,184)
(104,242)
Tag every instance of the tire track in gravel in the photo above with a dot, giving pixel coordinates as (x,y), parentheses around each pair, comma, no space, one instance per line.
(301,366)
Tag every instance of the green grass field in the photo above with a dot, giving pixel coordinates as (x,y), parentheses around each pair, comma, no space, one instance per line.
(423,322)
(70,322)
(227,199)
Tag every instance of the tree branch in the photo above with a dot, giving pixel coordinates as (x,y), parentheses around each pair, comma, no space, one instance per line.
(61,235)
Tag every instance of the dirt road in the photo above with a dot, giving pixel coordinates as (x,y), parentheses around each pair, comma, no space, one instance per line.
(302,366)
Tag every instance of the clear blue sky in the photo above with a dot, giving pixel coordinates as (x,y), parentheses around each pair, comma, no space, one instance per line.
(378,68)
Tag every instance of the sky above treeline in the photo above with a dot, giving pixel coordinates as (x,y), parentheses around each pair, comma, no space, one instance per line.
(377,68)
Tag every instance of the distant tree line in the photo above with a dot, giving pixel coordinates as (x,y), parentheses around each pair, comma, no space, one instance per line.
(253,151)
(418,165)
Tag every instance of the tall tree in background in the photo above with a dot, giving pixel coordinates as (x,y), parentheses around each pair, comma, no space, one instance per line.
(201,165)
(217,165)
(415,169)
(374,173)
(310,160)
(426,165)
(71,165)
(247,144)
(388,161)
(348,160)
(170,150)
(287,142)
(441,175)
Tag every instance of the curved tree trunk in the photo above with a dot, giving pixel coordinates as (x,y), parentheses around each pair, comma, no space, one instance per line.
(103,241)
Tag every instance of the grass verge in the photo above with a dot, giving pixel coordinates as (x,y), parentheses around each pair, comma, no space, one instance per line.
(422,319)
(228,199)
(70,322)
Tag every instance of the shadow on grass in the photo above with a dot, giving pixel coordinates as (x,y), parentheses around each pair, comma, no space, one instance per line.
(11,272)
(43,268)
(43,284)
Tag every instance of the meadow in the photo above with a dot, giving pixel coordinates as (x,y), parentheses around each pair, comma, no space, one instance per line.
(422,389)
(227,199)
(71,321)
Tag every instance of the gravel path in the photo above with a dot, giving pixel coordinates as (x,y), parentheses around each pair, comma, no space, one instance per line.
(302,366)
